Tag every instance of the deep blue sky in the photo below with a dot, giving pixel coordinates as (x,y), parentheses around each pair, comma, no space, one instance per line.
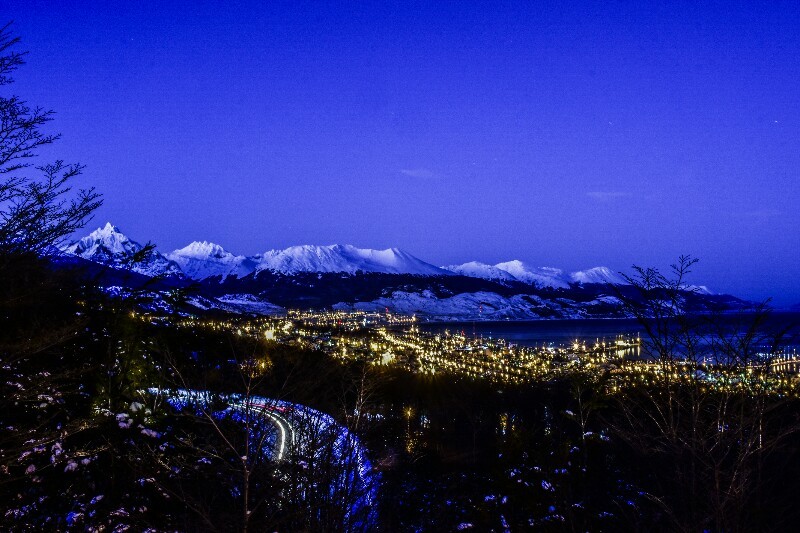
(605,133)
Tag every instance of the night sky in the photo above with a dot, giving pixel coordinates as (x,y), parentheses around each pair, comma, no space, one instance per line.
(605,133)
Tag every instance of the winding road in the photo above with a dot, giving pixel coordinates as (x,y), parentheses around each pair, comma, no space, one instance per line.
(286,432)
(301,434)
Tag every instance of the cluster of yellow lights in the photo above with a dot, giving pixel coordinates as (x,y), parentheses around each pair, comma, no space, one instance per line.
(379,338)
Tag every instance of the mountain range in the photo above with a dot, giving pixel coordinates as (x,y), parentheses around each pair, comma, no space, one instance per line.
(201,260)
(347,277)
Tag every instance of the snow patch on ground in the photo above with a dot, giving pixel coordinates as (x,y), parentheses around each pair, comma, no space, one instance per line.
(471,306)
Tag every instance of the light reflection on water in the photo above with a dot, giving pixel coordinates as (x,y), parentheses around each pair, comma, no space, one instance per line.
(565,332)
(541,332)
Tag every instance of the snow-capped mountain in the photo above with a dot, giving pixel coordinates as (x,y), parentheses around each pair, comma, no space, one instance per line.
(539,276)
(344,258)
(513,271)
(325,276)
(476,269)
(597,275)
(109,246)
(201,260)
(698,289)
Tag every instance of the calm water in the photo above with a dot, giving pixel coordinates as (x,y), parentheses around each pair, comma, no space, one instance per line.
(538,332)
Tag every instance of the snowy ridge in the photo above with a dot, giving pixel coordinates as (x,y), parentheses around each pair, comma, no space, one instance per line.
(480,306)
(239,304)
(598,275)
(109,246)
(476,269)
(698,289)
(514,271)
(517,290)
(539,276)
(201,260)
(344,258)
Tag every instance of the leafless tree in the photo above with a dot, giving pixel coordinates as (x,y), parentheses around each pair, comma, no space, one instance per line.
(708,407)
(38,208)
(37,205)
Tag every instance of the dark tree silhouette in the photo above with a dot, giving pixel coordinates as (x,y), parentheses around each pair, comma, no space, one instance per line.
(708,418)
(43,328)
(37,205)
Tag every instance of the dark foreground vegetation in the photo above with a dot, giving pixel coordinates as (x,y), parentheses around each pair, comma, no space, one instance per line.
(85,446)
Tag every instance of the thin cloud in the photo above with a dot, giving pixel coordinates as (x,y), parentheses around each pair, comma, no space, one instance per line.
(420,173)
(607,195)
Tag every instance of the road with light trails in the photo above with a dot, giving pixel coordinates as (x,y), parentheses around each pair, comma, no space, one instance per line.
(286,431)
(300,434)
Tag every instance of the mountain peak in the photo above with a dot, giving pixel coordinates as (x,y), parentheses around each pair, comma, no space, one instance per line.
(201,249)
(540,276)
(109,246)
(344,258)
(107,233)
(598,274)
(109,237)
(108,228)
(204,259)
(476,269)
